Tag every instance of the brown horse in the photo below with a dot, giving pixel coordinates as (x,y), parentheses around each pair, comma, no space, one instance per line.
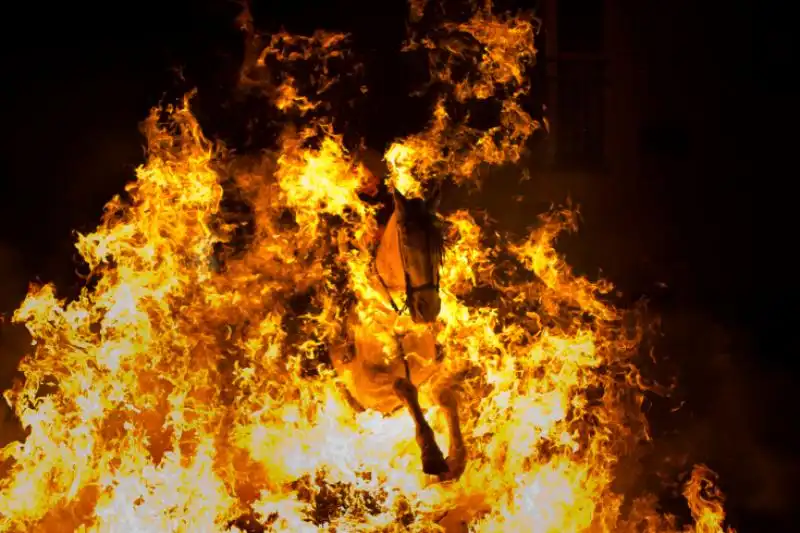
(388,356)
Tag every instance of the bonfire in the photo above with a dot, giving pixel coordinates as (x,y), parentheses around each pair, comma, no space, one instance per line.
(190,387)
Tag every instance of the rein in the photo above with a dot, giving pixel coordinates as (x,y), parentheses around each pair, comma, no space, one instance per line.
(410,290)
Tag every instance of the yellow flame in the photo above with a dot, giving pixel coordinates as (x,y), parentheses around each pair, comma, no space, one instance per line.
(170,396)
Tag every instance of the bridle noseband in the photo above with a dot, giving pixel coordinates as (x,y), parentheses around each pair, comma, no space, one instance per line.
(410,288)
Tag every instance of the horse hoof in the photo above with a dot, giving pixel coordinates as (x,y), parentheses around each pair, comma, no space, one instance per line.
(435,466)
(455,467)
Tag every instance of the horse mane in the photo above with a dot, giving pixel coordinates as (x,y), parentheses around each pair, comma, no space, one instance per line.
(433,227)
(436,240)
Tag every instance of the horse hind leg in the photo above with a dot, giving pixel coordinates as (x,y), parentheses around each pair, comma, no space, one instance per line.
(457,453)
(350,399)
(433,461)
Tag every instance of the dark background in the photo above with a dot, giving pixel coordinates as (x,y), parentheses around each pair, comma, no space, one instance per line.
(705,205)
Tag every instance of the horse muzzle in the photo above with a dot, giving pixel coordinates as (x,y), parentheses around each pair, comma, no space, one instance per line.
(425,310)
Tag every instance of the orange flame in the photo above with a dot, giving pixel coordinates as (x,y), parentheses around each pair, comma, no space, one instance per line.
(170,396)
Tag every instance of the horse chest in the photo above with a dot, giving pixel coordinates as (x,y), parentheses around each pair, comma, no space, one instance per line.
(379,362)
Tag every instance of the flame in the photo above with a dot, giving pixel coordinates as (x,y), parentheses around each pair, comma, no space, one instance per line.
(172,395)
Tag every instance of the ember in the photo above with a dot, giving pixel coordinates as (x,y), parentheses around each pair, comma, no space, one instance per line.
(190,388)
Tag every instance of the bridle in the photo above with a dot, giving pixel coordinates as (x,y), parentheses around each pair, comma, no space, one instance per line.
(410,287)
(410,290)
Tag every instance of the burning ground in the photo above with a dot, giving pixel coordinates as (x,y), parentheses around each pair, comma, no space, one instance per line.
(187,386)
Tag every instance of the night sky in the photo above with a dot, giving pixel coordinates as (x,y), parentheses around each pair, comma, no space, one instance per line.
(706,208)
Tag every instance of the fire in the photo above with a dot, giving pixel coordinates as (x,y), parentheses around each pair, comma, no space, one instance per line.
(173,395)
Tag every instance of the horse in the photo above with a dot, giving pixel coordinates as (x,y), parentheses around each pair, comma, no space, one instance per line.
(407,260)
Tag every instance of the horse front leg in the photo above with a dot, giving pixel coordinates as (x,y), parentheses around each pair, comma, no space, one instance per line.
(433,462)
(457,453)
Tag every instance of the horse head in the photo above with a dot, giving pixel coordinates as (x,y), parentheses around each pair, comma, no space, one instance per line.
(421,248)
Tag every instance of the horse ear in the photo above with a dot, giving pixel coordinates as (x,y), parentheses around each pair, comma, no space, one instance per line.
(399,201)
(434,198)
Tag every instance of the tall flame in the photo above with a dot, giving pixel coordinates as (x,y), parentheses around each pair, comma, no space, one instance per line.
(172,395)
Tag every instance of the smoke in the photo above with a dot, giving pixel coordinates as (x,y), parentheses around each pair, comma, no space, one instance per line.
(725,411)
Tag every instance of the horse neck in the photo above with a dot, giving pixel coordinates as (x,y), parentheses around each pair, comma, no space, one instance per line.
(388,260)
